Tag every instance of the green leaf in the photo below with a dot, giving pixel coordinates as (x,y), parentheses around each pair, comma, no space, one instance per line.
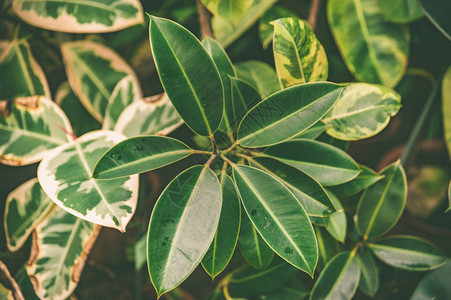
(285,114)
(265,29)
(365,179)
(294,290)
(278,217)
(182,226)
(60,247)
(244,97)
(5,293)
(312,132)
(363,110)
(446,107)
(408,252)
(188,74)
(434,285)
(327,246)
(438,13)
(339,279)
(152,115)
(298,54)
(253,248)
(310,194)
(24,209)
(65,176)
(259,75)
(374,49)
(29,127)
(226,237)
(369,279)
(20,74)
(337,225)
(25,285)
(93,71)
(139,154)
(325,163)
(140,252)
(382,204)
(401,11)
(80,16)
(126,91)
(230,10)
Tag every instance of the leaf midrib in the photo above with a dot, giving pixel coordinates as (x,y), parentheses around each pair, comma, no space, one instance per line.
(355,112)
(32,134)
(396,249)
(296,52)
(24,67)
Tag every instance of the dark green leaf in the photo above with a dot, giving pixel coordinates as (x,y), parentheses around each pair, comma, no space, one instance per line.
(434,285)
(365,179)
(327,246)
(313,132)
(438,12)
(337,225)
(369,271)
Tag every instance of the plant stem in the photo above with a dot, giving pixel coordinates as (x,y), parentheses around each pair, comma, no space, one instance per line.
(313,14)
(224,158)
(202,152)
(231,147)
(211,159)
(204,20)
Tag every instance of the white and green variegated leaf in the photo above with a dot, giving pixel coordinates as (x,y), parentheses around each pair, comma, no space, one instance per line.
(230,10)
(20,74)
(362,110)
(65,175)
(29,127)
(298,54)
(374,49)
(446,107)
(259,75)
(24,209)
(265,29)
(126,91)
(81,16)
(151,116)
(93,71)
(61,244)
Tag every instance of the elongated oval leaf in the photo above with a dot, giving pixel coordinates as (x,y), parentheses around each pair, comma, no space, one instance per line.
(327,247)
(365,179)
(382,204)
(24,209)
(339,279)
(325,163)
(65,176)
(93,71)
(438,13)
(446,108)
(278,216)
(61,245)
(312,132)
(285,114)
(435,284)
(369,279)
(374,49)
(401,11)
(226,237)
(230,10)
(153,115)
(244,97)
(29,127)
(139,154)
(80,16)
(298,54)
(363,110)
(182,226)
(265,29)
(259,75)
(188,74)
(337,225)
(20,74)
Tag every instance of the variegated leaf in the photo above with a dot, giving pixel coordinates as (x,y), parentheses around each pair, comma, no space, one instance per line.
(151,116)
(230,10)
(126,91)
(20,74)
(25,207)
(265,29)
(65,175)
(93,71)
(298,54)
(80,16)
(61,244)
(28,128)
(362,110)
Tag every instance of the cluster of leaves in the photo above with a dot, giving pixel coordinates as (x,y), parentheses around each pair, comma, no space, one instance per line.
(269,183)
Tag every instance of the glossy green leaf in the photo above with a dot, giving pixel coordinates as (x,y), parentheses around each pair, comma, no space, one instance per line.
(434,285)
(139,154)
(152,115)
(126,91)
(374,49)
(182,226)
(253,248)
(93,71)
(363,110)
(226,237)
(408,252)
(25,285)
(446,107)
(339,279)
(325,163)
(285,114)
(80,16)
(265,29)
(24,209)
(230,10)
(298,54)
(401,11)
(60,247)
(327,247)
(65,176)
(369,272)
(365,179)
(382,204)
(293,290)
(188,74)
(438,13)
(337,225)
(29,127)
(312,132)
(278,217)
(307,190)
(20,74)
(261,76)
